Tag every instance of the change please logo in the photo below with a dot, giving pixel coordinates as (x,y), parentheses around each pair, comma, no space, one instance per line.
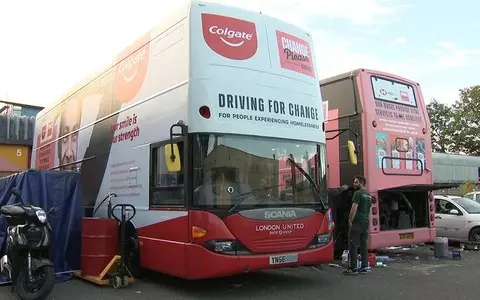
(295,54)
(230,37)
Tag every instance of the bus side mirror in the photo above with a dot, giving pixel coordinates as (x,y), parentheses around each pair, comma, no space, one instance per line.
(172,158)
(352,152)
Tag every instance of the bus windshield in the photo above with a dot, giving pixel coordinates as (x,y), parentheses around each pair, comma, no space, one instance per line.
(247,171)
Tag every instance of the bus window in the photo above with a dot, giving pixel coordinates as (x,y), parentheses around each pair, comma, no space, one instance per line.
(167,188)
(252,172)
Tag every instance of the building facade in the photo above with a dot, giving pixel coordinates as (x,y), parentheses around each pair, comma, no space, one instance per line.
(17,125)
(458,169)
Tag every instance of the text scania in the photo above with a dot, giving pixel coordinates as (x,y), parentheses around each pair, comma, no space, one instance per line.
(280,214)
(230,33)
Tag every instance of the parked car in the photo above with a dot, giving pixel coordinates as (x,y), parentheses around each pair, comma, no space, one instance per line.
(457,219)
(473,195)
(452,196)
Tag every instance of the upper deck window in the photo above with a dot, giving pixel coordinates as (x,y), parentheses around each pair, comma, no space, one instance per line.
(393,91)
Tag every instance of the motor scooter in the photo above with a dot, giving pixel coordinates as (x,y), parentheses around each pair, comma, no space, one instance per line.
(26,261)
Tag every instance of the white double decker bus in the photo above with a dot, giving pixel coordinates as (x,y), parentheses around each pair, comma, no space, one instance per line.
(211,126)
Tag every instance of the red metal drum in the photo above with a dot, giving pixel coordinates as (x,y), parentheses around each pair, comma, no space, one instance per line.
(99,244)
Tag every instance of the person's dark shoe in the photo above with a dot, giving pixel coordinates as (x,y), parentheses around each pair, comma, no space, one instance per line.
(350,272)
(364,271)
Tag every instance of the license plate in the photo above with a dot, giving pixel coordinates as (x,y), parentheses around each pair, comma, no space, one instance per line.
(283,259)
(406,236)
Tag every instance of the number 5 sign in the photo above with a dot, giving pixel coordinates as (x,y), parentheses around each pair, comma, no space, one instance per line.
(19,152)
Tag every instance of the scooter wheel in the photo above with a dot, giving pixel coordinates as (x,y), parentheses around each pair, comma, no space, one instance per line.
(24,290)
(117,282)
(125,281)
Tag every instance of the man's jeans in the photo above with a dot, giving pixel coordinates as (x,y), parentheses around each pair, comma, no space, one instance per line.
(358,238)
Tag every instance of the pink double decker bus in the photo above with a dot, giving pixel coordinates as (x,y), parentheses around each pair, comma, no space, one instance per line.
(386,118)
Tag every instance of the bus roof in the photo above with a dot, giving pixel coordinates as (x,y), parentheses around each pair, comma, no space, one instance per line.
(357,71)
(250,70)
(157,30)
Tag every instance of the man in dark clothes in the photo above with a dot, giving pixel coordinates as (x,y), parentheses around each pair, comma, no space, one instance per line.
(339,201)
(359,221)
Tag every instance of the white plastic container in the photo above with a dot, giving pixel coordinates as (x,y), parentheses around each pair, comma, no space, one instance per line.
(346,259)
(440,249)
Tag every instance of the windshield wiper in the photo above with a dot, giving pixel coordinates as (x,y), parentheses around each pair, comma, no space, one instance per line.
(243,197)
(315,188)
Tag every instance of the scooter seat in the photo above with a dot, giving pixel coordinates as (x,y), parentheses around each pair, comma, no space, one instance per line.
(12,210)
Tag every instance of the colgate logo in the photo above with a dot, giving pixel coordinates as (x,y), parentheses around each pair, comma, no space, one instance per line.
(226,33)
(128,68)
(230,37)
(132,69)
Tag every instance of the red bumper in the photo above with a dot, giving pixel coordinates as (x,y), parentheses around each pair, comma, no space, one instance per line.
(202,263)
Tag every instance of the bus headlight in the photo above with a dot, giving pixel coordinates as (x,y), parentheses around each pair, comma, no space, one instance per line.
(323,239)
(221,246)
(320,240)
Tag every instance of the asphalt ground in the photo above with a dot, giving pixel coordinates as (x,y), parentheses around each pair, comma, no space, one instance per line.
(414,275)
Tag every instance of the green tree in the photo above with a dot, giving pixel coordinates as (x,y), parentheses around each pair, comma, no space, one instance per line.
(466,125)
(442,126)
(466,187)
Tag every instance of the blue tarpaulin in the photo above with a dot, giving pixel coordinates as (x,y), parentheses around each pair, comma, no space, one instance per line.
(47,189)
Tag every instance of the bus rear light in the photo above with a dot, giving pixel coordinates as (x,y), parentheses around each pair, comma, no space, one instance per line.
(424,130)
(374,210)
(204,112)
(374,123)
(432,217)
(374,199)
(198,232)
(431,207)
(375,222)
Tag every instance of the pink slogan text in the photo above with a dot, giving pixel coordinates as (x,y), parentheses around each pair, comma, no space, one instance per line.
(128,127)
